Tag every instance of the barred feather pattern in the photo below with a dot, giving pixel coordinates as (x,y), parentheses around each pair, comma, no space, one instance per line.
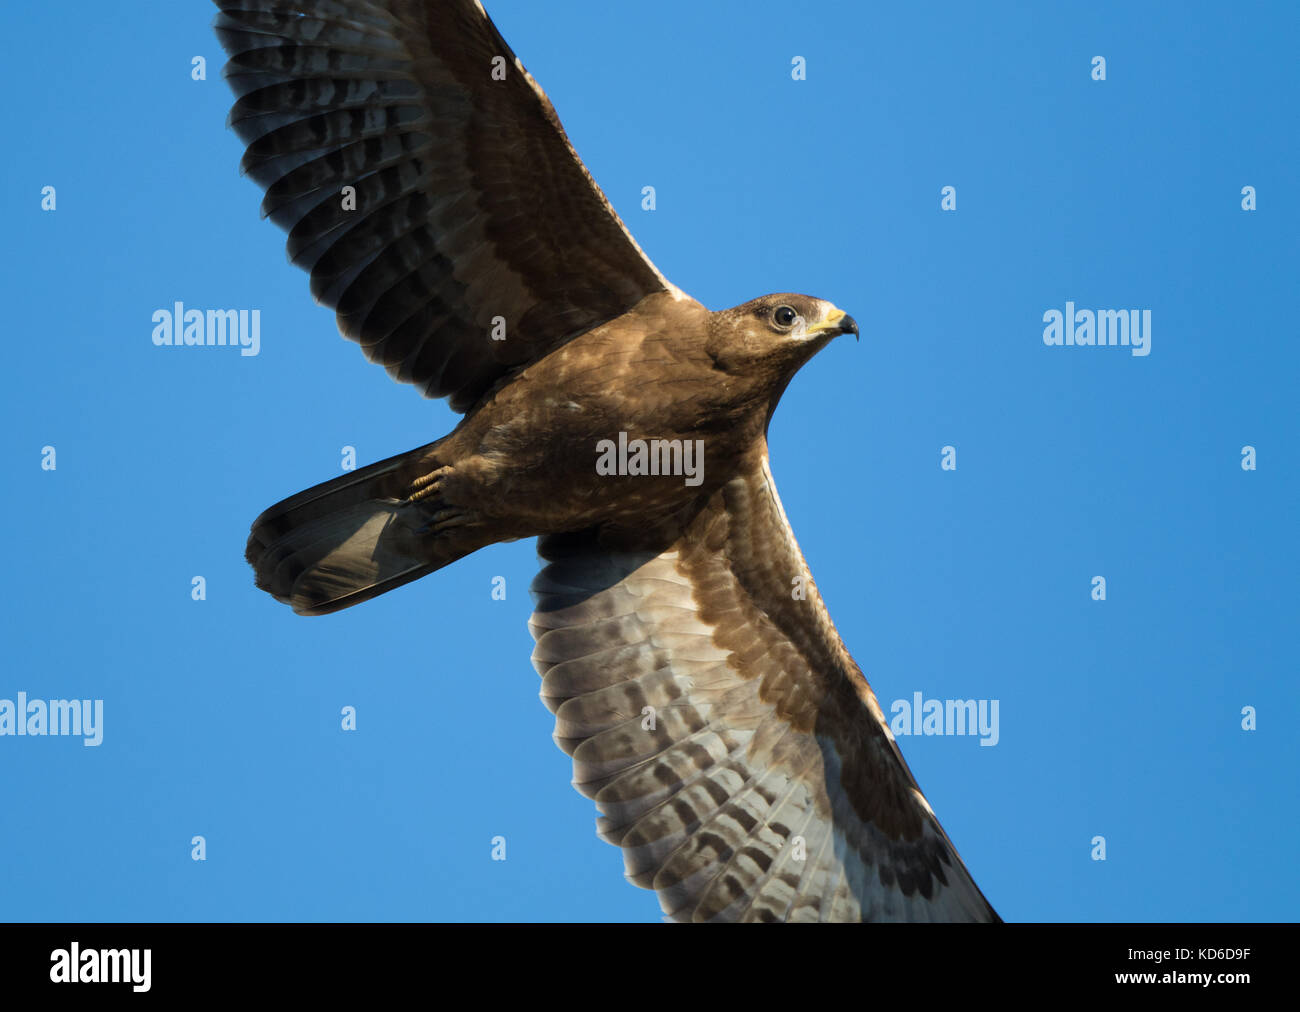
(472,210)
(732,747)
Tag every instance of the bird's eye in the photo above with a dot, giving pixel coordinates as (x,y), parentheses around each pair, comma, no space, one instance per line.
(784,316)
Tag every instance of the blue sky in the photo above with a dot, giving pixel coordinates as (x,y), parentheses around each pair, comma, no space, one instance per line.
(1119,718)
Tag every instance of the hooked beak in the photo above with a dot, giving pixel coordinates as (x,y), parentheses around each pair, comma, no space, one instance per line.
(838,321)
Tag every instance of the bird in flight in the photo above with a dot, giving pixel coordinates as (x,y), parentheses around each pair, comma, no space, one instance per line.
(733,748)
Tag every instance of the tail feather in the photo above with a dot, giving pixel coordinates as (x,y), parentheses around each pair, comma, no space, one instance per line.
(354,537)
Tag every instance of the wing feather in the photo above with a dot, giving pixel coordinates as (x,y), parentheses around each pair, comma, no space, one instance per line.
(732,747)
(471,206)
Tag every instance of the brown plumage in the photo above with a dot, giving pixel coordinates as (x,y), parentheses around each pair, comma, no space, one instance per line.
(732,746)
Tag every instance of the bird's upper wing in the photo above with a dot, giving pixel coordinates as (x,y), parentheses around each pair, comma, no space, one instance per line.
(471,206)
(764,784)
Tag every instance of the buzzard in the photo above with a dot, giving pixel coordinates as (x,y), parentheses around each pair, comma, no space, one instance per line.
(732,746)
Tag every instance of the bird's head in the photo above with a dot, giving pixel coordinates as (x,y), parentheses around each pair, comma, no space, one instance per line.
(764,342)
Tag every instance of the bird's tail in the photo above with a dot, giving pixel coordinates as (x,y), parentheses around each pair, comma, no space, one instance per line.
(359,535)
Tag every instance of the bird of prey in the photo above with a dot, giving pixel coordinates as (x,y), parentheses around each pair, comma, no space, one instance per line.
(733,748)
